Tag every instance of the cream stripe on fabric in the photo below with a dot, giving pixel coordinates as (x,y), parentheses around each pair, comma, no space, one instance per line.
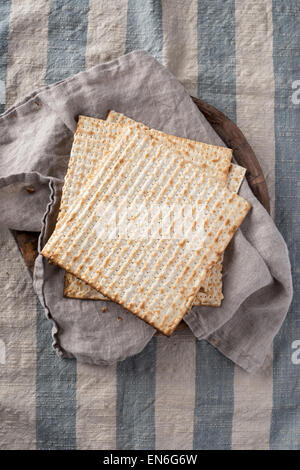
(175,390)
(26,67)
(27,48)
(106,31)
(255,82)
(252,409)
(180,48)
(17,350)
(96,385)
(253,395)
(96,407)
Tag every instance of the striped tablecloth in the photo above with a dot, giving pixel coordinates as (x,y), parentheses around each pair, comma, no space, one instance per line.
(242,57)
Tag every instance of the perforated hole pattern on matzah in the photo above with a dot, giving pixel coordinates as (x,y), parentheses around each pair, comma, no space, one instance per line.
(211,292)
(111,266)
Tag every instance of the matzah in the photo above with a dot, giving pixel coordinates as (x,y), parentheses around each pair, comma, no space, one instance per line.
(211,292)
(156,279)
(236,172)
(84,159)
(216,160)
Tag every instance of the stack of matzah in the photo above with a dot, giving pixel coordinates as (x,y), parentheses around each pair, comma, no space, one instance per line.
(145,218)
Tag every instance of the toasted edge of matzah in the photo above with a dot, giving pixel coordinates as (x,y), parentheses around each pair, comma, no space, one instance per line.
(237,209)
(235,177)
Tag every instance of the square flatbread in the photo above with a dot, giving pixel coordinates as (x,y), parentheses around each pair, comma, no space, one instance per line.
(156,278)
(211,291)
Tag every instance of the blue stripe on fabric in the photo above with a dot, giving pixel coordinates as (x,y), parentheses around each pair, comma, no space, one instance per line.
(55,392)
(4,31)
(144,27)
(285,424)
(136,375)
(214,402)
(216,54)
(67,34)
(136,400)
(57,378)
(214,394)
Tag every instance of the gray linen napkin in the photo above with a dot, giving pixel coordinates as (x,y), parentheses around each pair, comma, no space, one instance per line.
(36,138)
